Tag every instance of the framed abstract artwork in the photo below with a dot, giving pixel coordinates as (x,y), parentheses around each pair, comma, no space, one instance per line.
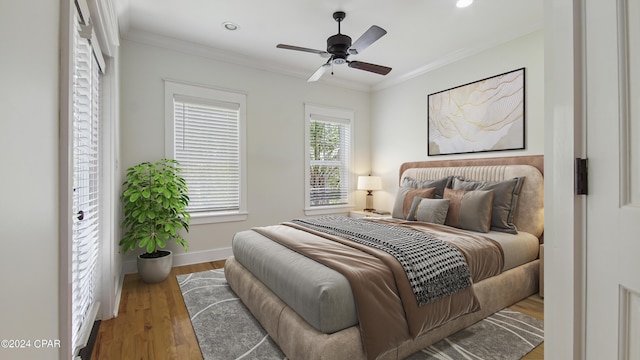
(485,115)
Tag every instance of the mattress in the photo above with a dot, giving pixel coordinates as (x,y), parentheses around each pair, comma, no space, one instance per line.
(518,249)
(323,296)
(320,295)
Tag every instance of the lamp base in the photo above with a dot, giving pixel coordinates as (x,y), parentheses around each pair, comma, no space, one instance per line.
(369,202)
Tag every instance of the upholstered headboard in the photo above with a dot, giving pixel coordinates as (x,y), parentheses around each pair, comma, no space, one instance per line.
(529,215)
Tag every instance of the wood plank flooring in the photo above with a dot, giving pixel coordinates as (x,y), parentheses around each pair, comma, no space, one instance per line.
(153,322)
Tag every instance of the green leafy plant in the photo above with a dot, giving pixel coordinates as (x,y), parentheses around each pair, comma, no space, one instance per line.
(155,198)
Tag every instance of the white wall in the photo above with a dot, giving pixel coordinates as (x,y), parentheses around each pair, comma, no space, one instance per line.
(399,113)
(275,130)
(29,180)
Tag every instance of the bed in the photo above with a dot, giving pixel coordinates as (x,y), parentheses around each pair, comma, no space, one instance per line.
(308,308)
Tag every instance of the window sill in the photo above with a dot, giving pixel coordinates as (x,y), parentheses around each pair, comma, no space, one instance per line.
(327,210)
(217,217)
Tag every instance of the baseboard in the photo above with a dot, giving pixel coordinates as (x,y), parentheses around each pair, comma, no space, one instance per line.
(116,305)
(188,258)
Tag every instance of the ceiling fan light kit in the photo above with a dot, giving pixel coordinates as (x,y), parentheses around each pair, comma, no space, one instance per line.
(339,47)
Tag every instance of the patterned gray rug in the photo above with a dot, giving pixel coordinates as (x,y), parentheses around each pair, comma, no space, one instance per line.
(226,329)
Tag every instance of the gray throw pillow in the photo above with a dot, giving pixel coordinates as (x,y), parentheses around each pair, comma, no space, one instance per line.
(469,210)
(429,210)
(504,202)
(439,184)
(404,200)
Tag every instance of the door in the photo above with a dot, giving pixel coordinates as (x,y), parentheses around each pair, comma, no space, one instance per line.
(612,65)
(87,204)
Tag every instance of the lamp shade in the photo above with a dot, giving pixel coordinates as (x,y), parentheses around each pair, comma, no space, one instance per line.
(369,183)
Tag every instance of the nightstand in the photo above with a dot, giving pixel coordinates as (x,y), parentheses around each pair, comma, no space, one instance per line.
(358,214)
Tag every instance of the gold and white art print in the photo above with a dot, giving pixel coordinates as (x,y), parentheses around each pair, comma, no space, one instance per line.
(486,115)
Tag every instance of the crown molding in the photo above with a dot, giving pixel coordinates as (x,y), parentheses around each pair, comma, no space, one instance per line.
(261,64)
(454,56)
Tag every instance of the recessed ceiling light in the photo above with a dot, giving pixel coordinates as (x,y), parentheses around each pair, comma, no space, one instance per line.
(464,3)
(230,26)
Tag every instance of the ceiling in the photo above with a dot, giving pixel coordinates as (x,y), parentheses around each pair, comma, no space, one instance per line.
(421,34)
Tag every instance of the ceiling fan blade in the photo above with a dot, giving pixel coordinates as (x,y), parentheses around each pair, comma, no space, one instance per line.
(369,37)
(322,53)
(318,74)
(378,69)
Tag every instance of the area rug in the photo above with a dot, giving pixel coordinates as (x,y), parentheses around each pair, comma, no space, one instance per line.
(225,328)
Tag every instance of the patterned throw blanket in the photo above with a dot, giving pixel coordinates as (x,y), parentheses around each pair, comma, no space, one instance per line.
(434,268)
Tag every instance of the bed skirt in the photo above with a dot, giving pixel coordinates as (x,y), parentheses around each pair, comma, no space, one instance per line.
(299,340)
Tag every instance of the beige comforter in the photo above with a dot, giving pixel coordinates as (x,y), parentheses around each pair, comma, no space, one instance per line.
(388,312)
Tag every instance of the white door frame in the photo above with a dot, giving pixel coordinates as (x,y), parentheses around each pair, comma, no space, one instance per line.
(65,178)
(564,212)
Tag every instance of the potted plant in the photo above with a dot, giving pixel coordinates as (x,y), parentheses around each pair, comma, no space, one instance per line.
(155,198)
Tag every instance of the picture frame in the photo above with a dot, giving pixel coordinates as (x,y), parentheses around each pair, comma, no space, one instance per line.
(481,116)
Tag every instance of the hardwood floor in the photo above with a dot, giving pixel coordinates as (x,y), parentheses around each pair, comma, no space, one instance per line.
(153,322)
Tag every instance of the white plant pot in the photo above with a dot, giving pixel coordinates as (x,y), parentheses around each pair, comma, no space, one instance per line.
(155,270)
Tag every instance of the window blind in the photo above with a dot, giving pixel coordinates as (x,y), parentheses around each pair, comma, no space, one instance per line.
(329,152)
(207,145)
(86,188)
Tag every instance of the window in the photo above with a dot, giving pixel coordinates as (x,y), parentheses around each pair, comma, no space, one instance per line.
(328,176)
(205,133)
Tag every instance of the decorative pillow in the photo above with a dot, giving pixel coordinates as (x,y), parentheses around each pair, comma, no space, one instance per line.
(469,210)
(504,201)
(439,184)
(404,199)
(429,210)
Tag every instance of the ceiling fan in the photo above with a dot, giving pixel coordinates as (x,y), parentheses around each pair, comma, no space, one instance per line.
(339,47)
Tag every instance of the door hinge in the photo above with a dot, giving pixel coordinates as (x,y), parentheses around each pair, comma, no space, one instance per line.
(581,177)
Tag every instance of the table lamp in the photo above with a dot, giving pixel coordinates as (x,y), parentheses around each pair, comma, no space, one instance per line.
(369,183)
